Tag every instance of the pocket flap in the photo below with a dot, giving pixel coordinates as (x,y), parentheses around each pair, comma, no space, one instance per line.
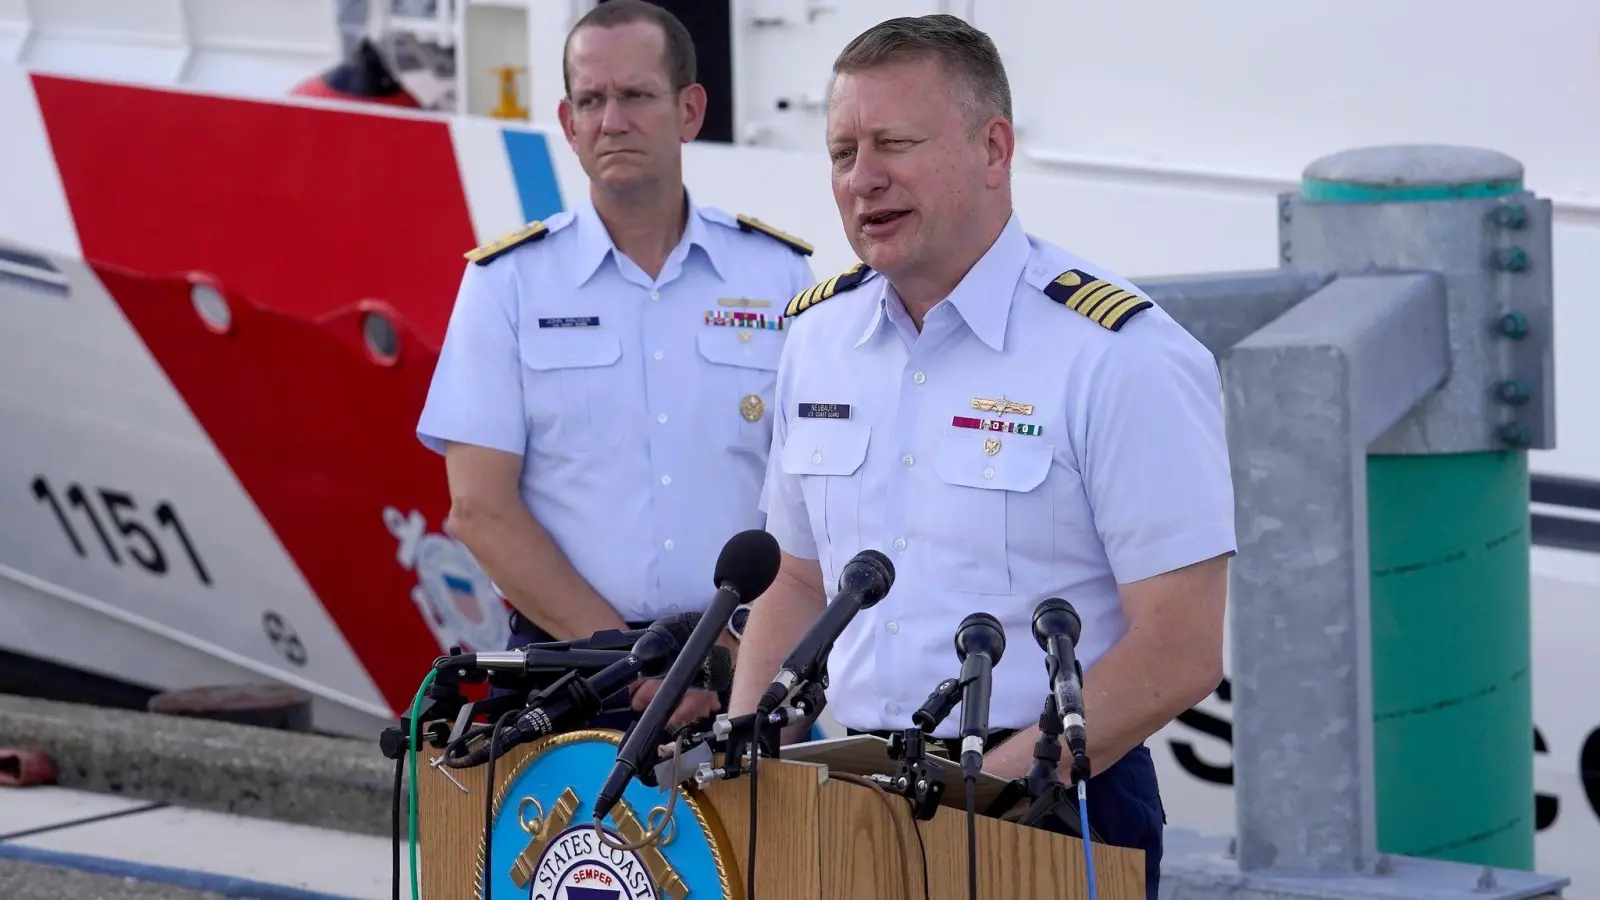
(760,349)
(569,348)
(1021,463)
(826,448)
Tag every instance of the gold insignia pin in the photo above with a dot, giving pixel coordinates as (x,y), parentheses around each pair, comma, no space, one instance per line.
(744,302)
(991,446)
(1069,278)
(744,337)
(751,407)
(1002,406)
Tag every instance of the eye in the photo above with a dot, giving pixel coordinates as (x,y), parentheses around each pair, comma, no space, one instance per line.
(841,154)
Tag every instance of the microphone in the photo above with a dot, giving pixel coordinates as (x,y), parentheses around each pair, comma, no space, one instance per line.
(979,643)
(581,697)
(865,579)
(1056,627)
(531,659)
(745,569)
(589,654)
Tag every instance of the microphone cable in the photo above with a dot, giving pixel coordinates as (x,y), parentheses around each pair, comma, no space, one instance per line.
(1083,825)
(488,798)
(972,838)
(750,853)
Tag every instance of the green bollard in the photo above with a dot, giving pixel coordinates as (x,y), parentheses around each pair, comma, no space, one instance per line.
(1447,492)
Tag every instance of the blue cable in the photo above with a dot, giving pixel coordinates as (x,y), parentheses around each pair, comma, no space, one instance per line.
(1083,821)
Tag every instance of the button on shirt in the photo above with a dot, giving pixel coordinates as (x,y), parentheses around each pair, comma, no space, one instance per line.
(642,407)
(1013,450)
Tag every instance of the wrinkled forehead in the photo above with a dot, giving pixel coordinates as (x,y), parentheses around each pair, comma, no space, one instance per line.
(632,55)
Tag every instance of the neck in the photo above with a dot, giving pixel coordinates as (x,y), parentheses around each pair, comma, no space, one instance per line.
(644,224)
(921,290)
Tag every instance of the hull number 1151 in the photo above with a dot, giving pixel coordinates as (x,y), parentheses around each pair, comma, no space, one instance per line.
(111,521)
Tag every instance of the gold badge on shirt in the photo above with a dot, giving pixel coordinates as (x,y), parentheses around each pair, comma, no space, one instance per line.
(1000,407)
(751,407)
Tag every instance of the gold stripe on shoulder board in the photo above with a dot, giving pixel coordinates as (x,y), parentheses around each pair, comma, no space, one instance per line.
(486,254)
(847,280)
(749,223)
(1108,305)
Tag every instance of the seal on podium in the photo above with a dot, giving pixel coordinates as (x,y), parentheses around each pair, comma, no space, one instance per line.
(546,845)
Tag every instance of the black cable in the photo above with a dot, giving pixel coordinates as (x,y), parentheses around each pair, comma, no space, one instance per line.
(916,828)
(972,838)
(488,797)
(750,866)
(399,781)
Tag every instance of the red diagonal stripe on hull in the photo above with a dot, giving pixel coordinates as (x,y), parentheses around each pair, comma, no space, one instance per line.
(322,438)
(298,213)
(301,210)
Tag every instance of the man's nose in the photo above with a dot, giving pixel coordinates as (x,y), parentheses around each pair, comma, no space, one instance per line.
(869,175)
(612,118)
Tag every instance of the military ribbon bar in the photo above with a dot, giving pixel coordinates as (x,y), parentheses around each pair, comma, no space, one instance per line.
(996,425)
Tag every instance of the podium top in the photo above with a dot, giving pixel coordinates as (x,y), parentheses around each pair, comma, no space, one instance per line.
(867,755)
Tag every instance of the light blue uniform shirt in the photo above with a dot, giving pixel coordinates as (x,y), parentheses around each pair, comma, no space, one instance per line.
(1118,471)
(642,407)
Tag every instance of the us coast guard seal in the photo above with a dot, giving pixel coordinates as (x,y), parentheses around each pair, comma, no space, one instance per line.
(545,844)
(453,594)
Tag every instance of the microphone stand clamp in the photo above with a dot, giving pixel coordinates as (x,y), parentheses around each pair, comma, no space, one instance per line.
(916,779)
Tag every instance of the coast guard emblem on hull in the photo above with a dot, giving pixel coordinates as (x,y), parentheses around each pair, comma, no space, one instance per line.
(455,597)
(546,844)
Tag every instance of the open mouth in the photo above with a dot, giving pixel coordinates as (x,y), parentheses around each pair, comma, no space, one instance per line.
(880,219)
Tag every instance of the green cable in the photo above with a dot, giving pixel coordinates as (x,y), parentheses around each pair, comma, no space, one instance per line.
(411,792)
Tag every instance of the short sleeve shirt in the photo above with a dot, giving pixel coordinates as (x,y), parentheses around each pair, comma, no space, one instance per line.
(1013,450)
(642,407)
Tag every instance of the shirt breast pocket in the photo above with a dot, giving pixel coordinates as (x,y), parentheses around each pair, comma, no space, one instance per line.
(991,524)
(826,456)
(738,392)
(571,382)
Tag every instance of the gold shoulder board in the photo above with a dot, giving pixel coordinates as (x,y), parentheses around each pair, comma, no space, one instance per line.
(747,223)
(1101,302)
(487,253)
(847,280)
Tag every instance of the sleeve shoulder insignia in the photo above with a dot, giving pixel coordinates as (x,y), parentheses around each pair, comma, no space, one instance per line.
(487,253)
(1106,304)
(748,224)
(847,280)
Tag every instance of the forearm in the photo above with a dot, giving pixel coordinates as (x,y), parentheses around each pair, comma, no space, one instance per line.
(1133,691)
(786,610)
(535,576)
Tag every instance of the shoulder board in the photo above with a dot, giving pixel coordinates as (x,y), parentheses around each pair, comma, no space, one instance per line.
(746,223)
(1108,305)
(847,280)
(487,253)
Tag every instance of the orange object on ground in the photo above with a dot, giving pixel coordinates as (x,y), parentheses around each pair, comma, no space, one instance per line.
(25,768)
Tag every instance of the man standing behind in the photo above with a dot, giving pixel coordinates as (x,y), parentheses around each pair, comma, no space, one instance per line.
(602,398)
(1007,422)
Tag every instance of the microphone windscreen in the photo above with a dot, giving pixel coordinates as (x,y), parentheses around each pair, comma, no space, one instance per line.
(719,669)
(749,561)
(680,626)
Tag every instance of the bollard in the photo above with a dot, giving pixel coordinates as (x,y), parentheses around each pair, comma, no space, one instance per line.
(1382,389)
(1447,490)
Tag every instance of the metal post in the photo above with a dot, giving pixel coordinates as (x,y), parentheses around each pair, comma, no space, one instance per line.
(1379,603)
(1447,500)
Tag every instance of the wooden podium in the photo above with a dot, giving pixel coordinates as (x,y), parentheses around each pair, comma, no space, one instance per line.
(823,835)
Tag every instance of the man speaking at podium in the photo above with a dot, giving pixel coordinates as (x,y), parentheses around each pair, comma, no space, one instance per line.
(1007,422)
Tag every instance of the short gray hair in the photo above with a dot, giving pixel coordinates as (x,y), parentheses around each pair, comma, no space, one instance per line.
(962,49)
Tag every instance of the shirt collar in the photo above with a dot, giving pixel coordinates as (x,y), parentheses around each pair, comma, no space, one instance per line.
(982,298)
(595,245)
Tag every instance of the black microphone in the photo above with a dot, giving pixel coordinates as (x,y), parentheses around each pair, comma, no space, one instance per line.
(531,659)
(581,698)
(745,569)
(980,641)
(865,579)
(1056,627)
